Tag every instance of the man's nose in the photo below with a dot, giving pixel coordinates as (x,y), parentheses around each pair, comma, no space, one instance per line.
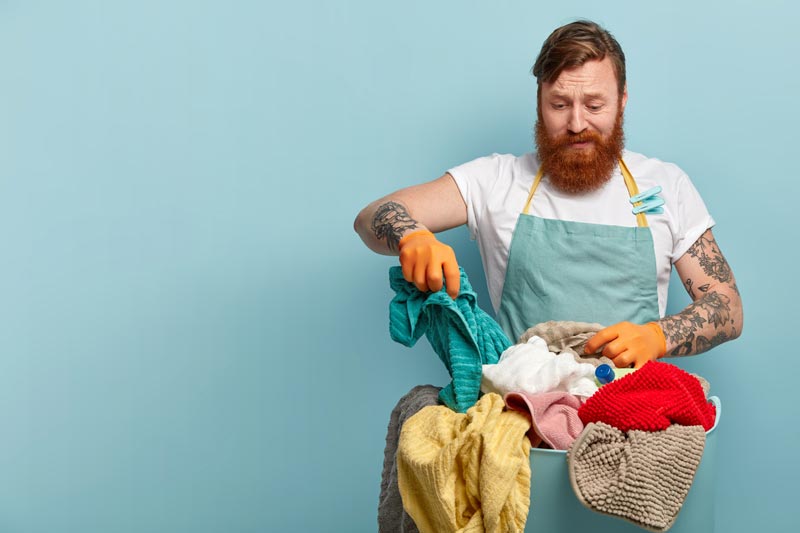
(577,122)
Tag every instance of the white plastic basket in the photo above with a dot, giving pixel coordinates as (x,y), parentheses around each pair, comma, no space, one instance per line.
(555,509)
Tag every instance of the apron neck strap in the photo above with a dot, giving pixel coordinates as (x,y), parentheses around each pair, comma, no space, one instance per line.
(633,190)
(630,183)
(536,181)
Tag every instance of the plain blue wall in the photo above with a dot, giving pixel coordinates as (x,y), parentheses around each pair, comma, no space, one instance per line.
(192,337)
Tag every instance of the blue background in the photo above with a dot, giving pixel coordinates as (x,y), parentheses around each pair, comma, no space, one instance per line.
(192,337)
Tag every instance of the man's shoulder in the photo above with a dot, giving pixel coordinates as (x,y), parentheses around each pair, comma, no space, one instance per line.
(507,158)
(653,167)
(498,164)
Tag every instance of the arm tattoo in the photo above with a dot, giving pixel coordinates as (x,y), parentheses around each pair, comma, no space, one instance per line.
(391,221)
(689,288)
(701,326)
(713,317)
(706,251)
(688,284)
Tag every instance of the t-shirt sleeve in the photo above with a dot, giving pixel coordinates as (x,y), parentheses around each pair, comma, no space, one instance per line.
(693,217)
(474,179)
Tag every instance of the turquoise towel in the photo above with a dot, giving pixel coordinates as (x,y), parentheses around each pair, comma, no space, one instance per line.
(461,333)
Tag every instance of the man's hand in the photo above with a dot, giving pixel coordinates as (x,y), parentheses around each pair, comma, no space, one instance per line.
(424,258)
(628,343)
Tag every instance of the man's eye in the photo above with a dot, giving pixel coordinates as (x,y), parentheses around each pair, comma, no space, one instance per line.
(596,107)
(559,106)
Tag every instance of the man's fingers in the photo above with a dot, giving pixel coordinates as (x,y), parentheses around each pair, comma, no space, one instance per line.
(614,348)
(421,276)
(430,266)
(600,338)
(452,277)
(434,276)
(407,264)
(624,359)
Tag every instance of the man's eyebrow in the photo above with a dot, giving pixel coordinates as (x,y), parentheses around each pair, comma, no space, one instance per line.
(568,95)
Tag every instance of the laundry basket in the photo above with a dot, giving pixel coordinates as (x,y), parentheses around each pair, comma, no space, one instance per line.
(556,509)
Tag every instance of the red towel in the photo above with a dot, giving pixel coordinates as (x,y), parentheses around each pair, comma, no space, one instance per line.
(650,399)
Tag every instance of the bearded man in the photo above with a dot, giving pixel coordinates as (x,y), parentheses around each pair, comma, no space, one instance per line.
(565,233)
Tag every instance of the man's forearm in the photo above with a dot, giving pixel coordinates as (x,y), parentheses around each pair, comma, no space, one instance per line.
(382,224)
(712,319)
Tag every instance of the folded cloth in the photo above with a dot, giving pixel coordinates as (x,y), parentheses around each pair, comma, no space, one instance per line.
(651,399)
(461,333)
(564,336)
(391,516)
(643,477)
(466,472)
(532,368)
(554,417)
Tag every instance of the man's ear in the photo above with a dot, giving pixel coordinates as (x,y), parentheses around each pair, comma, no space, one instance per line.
(624,97)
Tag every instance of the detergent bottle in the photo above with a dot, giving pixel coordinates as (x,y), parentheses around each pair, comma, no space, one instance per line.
(604,373)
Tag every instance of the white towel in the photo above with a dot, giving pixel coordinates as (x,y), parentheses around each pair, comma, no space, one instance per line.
(530,367)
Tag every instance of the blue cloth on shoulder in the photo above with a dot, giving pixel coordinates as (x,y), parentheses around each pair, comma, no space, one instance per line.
(462,334)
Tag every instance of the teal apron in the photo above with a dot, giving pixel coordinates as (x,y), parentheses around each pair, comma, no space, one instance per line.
(561,270)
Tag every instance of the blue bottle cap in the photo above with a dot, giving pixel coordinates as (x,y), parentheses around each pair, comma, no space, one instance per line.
(604,374)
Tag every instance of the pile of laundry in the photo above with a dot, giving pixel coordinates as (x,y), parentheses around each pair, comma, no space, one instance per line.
(458,458)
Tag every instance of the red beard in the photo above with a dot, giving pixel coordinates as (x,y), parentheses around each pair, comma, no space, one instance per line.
(579,170)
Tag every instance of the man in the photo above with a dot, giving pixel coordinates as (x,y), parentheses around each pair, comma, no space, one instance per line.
(564,233)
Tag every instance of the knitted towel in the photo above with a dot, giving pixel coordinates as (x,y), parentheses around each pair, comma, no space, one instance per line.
(642,477)
(391,516)
(651,399)
(461,333)
(466,472)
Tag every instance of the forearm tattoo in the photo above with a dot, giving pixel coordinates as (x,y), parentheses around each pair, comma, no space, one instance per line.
(390,222)
(688,330)
(709,320)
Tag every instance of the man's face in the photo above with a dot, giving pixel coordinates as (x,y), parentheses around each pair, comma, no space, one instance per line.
(579,131)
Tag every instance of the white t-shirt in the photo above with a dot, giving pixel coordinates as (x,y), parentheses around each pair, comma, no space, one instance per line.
(495,189)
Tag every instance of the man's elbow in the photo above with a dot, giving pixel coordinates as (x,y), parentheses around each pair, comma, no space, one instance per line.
(361,223)
(737,313)
(357,222)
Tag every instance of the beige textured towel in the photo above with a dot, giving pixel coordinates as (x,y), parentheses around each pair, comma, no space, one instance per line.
(566,336)
(466,472)
(640,476)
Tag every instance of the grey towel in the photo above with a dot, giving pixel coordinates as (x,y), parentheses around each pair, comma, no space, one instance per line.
(391,516)
(566,336)
(643,476)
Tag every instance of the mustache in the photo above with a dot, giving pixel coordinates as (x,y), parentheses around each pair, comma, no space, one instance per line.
(571,138)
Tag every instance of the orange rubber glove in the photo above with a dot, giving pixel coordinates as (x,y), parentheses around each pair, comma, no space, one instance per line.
(424,258)
(629,344)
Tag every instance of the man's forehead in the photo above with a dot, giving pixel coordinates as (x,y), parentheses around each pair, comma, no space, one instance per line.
(594,78)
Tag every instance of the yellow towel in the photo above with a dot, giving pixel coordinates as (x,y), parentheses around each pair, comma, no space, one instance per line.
(466,472)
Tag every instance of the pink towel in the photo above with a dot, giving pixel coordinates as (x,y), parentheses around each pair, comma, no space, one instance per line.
(554,416)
